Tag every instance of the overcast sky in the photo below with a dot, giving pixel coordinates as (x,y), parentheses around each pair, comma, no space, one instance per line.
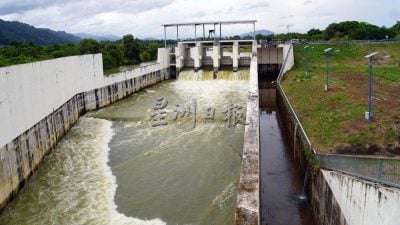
(143,18)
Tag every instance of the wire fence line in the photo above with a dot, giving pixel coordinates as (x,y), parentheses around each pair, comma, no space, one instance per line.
(383,170)
(380,170)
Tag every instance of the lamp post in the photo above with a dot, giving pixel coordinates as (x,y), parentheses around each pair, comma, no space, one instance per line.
(371,58)
(306,49)
(327,55)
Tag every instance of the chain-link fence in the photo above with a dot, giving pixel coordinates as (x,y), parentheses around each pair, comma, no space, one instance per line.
(381,170)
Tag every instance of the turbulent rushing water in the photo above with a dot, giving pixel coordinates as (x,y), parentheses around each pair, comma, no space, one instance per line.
(114,168)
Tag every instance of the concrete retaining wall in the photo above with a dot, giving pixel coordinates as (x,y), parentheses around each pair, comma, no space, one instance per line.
(296,143)
(290,59)
(30,92)
(326,208)
(248,197)
(363,202)
(44,99)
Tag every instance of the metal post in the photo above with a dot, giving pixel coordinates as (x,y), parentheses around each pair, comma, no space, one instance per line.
(165,37)
(306,62)
(204,33)
(370,90)
(214,32)
(355,161)
(220,30)
(306,48)
(254,31)
(295,140)
(195,32)
(327,72)
(380,168)
(177,34)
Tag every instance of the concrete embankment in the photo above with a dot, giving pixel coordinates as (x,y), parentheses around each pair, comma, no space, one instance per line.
(248,198)
(41,101)
(359,201)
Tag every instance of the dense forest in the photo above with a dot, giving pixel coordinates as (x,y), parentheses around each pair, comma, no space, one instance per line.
(130,50)
(347,30)
(127,51)
(14,31)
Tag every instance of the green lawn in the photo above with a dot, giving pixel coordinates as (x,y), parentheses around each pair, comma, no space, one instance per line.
(337,116)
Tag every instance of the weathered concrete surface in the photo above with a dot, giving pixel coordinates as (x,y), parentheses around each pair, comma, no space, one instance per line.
(270,55)
(325,207)
(21,156)
(248,202)
(32,91)
(363,202)
(289,55)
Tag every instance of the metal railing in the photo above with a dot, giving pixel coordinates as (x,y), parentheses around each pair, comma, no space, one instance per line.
(381,170)
(389,40)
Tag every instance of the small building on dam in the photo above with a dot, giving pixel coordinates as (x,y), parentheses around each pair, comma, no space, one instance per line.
(153,145)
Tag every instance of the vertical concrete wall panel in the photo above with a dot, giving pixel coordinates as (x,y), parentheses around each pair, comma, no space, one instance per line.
(40,102)
(362,202)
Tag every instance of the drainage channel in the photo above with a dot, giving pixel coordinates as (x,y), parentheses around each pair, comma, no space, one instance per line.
(282,198)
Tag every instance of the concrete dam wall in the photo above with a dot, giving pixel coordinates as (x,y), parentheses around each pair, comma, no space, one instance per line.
(41,101)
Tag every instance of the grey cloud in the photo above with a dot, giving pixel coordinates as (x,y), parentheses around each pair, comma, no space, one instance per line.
(258,5)
(395,14)
(198,14)
(21,6)
(287,16)
(18,6)
(142,5)
(307,2)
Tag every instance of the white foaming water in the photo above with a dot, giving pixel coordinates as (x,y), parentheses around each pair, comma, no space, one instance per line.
(75,184)
(105,135)
(224,196)
(209,75)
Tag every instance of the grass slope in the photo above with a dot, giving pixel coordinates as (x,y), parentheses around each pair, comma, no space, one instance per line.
(338,115)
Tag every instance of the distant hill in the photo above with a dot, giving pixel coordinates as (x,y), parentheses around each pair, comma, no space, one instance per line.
(98,37)
(13,31)
(262,32)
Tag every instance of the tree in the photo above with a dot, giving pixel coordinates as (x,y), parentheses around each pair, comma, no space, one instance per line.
(89,46)
(152,49)
(144,56)
(397,26)
(395,29)
(314,31)
(112,56)
(131,48)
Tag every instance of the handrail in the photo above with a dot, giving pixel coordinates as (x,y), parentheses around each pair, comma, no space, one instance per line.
(290,107)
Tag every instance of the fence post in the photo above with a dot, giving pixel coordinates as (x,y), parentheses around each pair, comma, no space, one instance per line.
(380,170)
(356,165)
(294,141)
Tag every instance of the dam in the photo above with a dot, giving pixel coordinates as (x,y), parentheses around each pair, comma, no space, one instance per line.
(203,136)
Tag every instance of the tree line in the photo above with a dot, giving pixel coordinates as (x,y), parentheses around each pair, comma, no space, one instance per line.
(347,30)
(127,51)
